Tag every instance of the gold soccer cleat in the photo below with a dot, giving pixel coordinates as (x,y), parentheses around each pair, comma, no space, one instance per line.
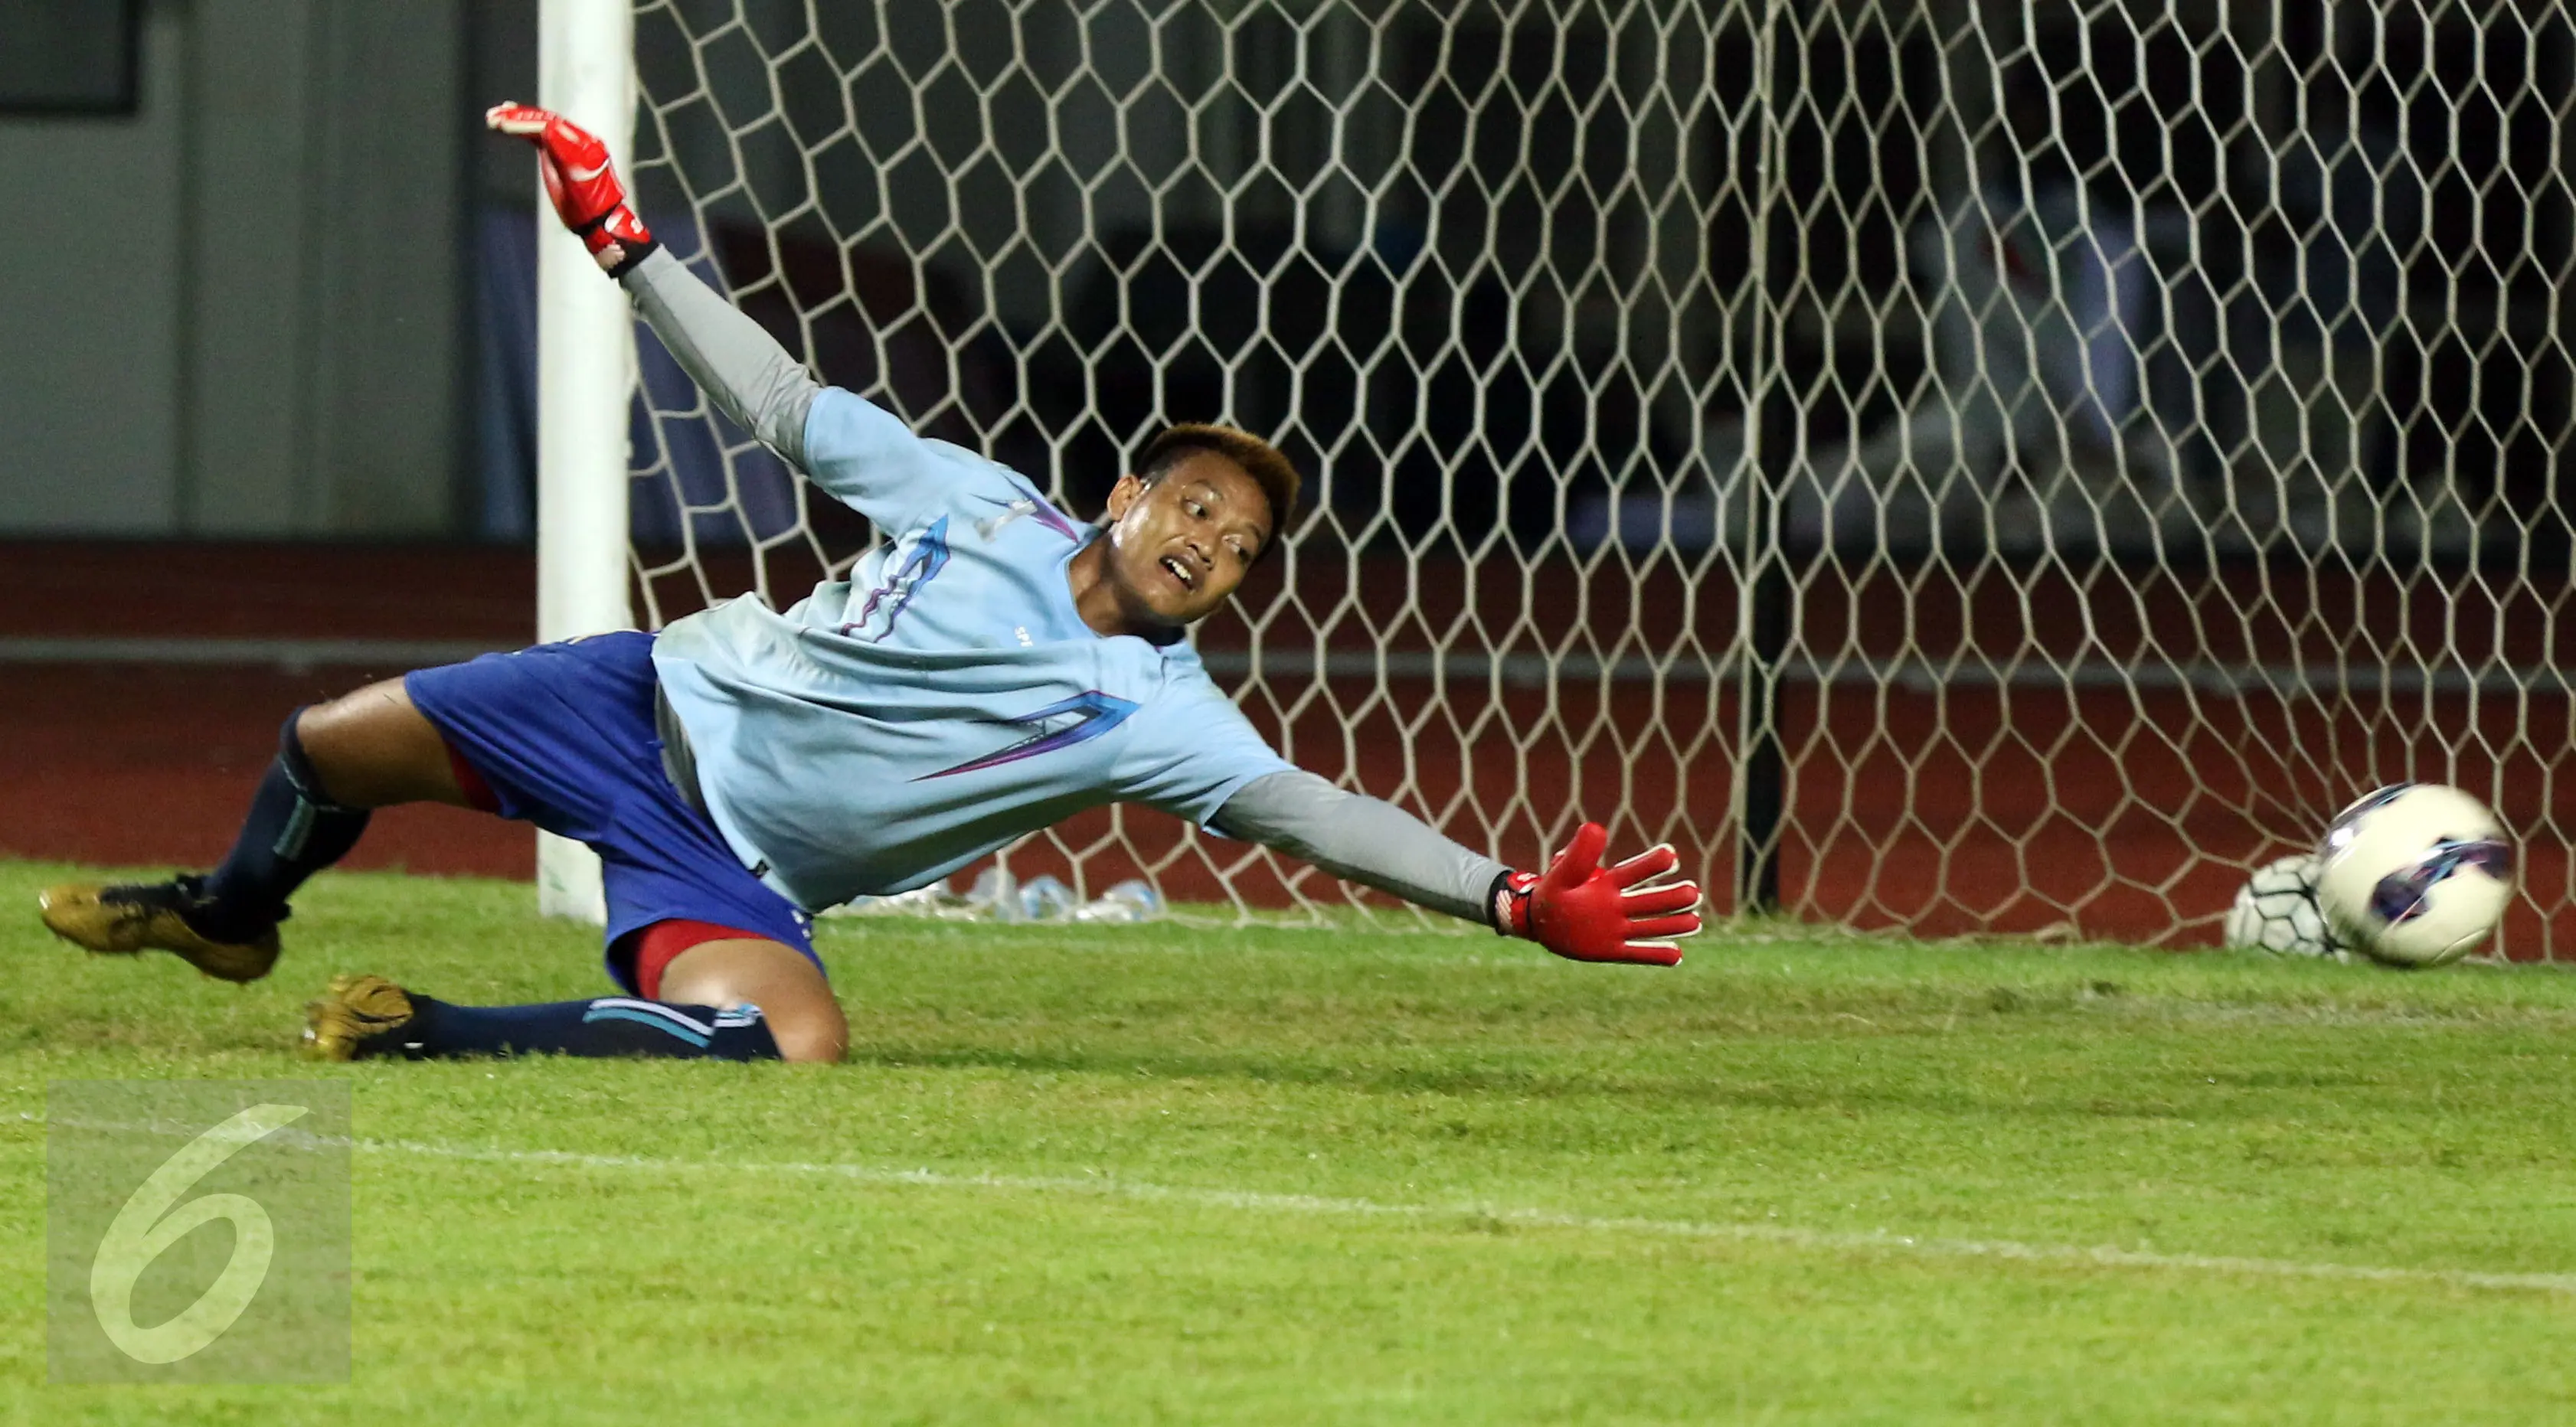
(136,917)
(339,1024)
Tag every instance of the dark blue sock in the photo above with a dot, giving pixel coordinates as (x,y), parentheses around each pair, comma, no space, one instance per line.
(609,1026)
(291,833)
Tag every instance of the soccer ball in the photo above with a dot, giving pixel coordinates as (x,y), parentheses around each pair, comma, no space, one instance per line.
(2415,875)
(2276,911)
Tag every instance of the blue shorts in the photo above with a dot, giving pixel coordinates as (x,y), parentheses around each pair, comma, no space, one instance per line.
(564,735)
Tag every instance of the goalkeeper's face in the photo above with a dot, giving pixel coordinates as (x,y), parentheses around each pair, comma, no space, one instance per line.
(1180,543)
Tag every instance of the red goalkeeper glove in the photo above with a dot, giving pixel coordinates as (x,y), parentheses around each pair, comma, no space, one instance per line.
(1584,911)
(581,182)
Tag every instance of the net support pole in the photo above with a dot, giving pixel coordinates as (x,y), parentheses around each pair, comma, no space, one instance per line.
(585,375)
(1761,784)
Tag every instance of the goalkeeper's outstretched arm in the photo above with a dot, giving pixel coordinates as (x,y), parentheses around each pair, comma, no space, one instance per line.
(1363,840)
(1628,912)
(733,359)
(741,368)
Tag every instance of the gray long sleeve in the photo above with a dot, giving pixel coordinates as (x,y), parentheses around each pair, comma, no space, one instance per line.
(1361,839)
(733,359)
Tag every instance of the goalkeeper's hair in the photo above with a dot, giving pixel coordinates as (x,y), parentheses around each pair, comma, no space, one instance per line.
(1270,470)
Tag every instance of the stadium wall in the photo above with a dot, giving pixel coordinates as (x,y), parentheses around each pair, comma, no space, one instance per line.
(234,312)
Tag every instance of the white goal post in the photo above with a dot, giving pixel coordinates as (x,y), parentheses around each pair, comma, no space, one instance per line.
(1948,466)
(585,376)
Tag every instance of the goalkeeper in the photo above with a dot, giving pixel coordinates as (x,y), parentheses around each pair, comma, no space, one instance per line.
(991,668)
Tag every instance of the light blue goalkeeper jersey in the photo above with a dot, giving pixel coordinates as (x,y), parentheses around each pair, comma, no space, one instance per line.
(943,700)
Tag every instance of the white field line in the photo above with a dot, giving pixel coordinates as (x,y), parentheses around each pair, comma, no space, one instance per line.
(1260,1202)
(1308,1205)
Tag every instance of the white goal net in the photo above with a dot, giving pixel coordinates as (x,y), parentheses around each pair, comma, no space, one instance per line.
(1949,467)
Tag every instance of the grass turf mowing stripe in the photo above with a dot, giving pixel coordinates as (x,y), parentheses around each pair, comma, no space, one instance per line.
(1263,1202)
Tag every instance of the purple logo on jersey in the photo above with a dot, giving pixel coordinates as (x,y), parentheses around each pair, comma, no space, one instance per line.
(1093,713)
(1030,504)
(915,566)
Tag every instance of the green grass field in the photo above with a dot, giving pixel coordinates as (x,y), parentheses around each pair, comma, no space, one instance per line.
(1167,1174)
